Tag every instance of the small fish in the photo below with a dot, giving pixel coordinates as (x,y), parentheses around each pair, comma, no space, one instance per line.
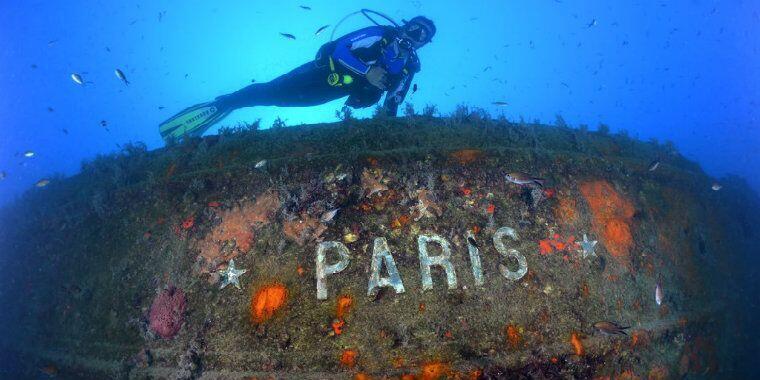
(716,186)
(610,328)
(350,237)
(321,29)
(329,215)
(65,131)
(161,107)
(487,68)
(52,42)
(308,8)
(521,178)
(77,79)
(253,80)
(288,35)
(42,183)
(120,75)
(3,175)
(29,154)
(33,66)
(260,164)
(592,23)
(658,294)
(103,123)
(414,88)
(50,370)
(472,241)
(654,165)
(73,289)
(50,109)
(500,104)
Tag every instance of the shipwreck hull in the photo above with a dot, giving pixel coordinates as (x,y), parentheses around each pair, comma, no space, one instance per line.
(86,257)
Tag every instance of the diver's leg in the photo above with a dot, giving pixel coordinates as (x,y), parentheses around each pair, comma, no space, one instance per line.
(304,86)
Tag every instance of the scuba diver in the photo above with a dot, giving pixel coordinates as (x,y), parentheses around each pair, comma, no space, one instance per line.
(361,65)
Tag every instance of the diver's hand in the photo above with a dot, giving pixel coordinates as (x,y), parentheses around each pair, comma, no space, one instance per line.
(378,77)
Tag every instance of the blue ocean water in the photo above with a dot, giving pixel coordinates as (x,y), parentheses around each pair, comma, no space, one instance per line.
(684,71)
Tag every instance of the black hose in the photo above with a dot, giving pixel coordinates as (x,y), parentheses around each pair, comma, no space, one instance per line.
(365,12)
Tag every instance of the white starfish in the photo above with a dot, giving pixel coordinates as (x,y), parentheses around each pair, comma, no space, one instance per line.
(587,247)
(230,275)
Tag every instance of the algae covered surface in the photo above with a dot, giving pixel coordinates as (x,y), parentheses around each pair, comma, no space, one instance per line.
(90,256)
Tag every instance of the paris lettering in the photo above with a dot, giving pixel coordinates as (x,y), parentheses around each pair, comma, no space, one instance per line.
(385,274)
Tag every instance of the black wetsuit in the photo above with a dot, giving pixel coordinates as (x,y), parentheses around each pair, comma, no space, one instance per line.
(348,60)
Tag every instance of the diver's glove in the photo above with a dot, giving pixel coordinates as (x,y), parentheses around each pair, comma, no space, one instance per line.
(378,77)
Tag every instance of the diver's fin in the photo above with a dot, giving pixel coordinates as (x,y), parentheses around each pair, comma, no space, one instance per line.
(192,121)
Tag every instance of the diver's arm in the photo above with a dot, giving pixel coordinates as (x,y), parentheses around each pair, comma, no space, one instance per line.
(365,38)
(395,96)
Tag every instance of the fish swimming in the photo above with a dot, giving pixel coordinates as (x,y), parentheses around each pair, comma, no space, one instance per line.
(50,370)
(716,186)
(305,7)
(42,183)
(414,88)
(329,215)
(29,154)
(260,164)
(120,75)
(592,23)
(77,79)
(610,328)
(500,104)
(288,35)
(321,29)
(524,179)
(658,294)
(3,175)
(653,165)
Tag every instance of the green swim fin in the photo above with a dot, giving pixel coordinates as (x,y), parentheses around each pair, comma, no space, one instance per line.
(192,121)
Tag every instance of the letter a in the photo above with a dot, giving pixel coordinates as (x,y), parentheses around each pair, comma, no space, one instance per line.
(380,254)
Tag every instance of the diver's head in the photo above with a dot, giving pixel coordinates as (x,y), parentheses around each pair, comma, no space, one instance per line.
(418,31)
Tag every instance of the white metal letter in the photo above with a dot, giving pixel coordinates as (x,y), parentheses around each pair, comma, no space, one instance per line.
(477,267)
(380,254)
(324,270)
(427,261)
(522,264)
